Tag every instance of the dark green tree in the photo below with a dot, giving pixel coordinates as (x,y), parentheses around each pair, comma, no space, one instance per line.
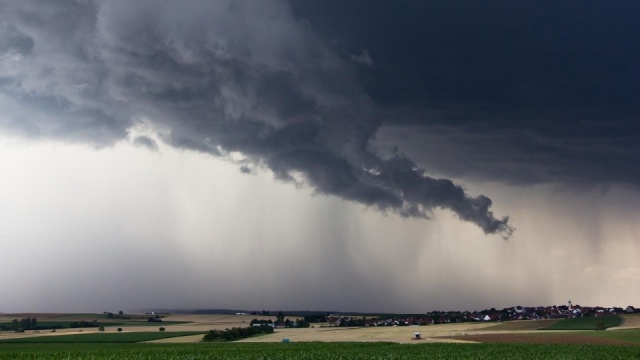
(303,323)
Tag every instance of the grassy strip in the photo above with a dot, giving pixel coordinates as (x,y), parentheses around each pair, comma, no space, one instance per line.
(311,351)
(47,324)
(97,338)
(585,323)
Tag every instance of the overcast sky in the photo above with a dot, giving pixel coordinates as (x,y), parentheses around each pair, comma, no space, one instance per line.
(318,155)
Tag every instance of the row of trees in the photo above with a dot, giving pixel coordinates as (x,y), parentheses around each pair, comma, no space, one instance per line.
(21,325)
(26,323)
(111,315)
(299,323)
(236,333)
(263,313)
(32,324)
(83,324)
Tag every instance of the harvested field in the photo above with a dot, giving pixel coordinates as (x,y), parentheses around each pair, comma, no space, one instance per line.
(214,321)
(398,334)
(179,340)
(630,322)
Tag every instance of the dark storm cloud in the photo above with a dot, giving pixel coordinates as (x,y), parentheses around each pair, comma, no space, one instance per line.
(218,77)
(48,71)
(521,156)
(546,90)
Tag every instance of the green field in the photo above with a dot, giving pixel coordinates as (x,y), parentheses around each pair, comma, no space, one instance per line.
(65,324)
(56,324)
(70,317)
(585,323)
(98,338)
(518,325)
(312,351)
(632,335)
(143,323)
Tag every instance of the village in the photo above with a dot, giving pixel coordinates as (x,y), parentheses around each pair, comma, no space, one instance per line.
(506,314)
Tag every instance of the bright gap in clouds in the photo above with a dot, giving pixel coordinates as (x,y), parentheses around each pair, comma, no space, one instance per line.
(128,228)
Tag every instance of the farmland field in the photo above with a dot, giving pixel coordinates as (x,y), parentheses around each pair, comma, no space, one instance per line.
(631,335)
(315,351)
(585,323)
(181,340)
(47,324)
(523,325)
(65,321)
(631,321)
(96,338)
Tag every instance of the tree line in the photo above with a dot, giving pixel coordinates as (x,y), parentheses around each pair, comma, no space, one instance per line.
(282,322)
(236,333)
(33,324)
(20,325)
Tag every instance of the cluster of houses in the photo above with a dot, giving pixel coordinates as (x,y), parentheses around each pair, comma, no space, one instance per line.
(506,314)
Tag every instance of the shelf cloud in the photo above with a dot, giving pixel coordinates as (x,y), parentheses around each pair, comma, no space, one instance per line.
(217,77)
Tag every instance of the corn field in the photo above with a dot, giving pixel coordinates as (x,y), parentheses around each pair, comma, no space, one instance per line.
(314,351)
